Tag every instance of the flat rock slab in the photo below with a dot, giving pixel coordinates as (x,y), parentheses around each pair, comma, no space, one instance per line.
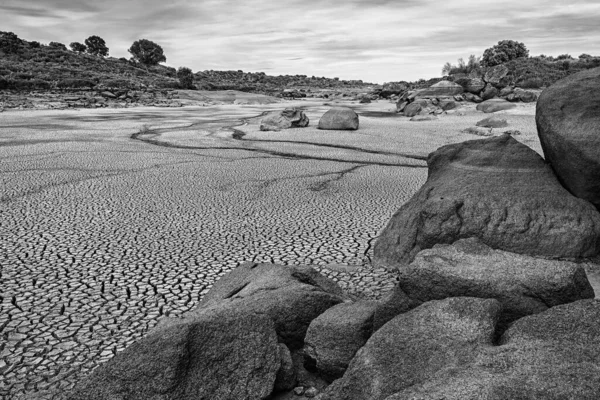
(568,123)
(497,190)
(493,122)
(495,105)
(524,285)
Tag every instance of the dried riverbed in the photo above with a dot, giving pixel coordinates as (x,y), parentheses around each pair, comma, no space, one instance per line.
(111,219)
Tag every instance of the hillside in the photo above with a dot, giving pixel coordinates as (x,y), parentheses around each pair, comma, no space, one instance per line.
(26,66)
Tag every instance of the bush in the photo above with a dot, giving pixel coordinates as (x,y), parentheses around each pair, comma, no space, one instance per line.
(57,45)
(504,51)
(78,47)
(147,52)
(9,42)
(473,65)
(35,45)
(564,57)
(186,77)
(96,46)
(531,83)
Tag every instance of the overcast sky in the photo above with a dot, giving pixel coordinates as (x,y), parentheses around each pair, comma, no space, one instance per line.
(373,40)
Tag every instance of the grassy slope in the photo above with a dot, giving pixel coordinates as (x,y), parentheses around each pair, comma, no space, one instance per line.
(29,66)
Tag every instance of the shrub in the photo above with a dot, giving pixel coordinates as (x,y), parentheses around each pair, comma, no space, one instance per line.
(75,83)
(78,47)
(564,57)
(505,50)
(35,45)
(473,65)
(9,42)
(57,45)
(96,46)
(531,83)
(147,52)
(186,77)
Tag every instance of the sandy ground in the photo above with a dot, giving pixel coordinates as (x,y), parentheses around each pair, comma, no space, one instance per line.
(111,219)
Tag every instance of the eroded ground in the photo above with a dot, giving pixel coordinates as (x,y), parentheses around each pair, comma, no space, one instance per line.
(110,219)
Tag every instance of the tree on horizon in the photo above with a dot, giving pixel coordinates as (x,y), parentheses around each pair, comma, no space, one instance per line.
(147,52)
(96,46)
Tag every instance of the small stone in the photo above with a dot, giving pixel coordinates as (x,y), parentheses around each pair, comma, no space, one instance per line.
(311,392)
(299,390)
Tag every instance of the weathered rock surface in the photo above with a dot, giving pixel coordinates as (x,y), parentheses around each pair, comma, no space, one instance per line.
(412,109)
(524,285)
(288,118)
(441,89)
(499,191)
(339,118)
(524,95)
(413,347)
(226,355)
(494,105)
(553,355)
(489,92)
(496,76)
(472,97)
(291,295)
(335,336)
(472,85)
(568,124)
(493,122)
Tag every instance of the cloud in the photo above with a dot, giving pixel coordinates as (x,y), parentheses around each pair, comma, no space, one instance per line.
(373,40)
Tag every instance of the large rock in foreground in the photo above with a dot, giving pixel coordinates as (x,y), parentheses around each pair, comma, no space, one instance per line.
(291,295)
(554,355)
(288,118)
(524,285)
(497,190)
(568,124)
(218,356)
(414,346)
(339,118)
(336,335)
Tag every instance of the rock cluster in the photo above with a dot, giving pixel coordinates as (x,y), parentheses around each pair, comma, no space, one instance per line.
(88,99)
(481,309)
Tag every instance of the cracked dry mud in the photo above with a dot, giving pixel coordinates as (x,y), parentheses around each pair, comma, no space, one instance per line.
(111,219)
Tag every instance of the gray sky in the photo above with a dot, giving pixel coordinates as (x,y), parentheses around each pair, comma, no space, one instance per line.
(373,40)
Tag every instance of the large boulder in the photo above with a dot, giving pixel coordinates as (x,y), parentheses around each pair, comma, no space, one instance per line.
(393,88)
(494,105)
(228,355)
(339,118)
(568,124)
(553,355)
(414,346)
(471,85)
(489,92)
(524,285)
(335,336)
(497,76)
(499,191)
(412,109)
(441,89)
(288,118)
(291,295)
(472,97)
